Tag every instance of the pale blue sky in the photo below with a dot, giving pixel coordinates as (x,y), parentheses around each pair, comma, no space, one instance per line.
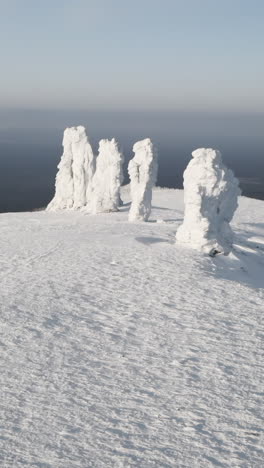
(132,54)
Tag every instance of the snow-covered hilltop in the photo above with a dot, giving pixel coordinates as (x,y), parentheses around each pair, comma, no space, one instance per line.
(120,348)
(93,185)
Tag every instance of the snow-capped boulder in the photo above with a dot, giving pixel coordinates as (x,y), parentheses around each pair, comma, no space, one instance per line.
(107,179)
(210,199)
(142,169)
(76,169)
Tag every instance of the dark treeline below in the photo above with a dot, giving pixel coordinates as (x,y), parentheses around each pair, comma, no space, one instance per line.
(27,175)
(29,157)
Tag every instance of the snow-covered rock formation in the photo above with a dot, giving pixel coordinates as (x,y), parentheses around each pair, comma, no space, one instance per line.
(210,198)
(142,169)
(76,170)
(107,179)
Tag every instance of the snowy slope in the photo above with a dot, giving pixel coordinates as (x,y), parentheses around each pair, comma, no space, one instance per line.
(121,349)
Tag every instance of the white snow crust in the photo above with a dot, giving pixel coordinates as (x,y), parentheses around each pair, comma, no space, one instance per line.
(142,169)
(210,197)
(107,179)
(76,170)
(121,349)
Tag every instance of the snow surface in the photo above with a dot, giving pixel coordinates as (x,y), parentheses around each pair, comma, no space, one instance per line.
(107,179)
(210,198)
(76,170)
(142,169)
(121,349)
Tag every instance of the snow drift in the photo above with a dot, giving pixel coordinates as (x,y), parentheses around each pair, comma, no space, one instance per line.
(76,169)
(142,169)
(210,198)
(107,179)
(120,349)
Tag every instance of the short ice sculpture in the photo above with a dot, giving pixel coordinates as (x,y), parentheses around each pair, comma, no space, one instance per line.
(142,169)
(210,199)
(76,170)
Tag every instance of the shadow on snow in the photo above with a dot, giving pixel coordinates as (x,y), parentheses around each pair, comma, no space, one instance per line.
(245,264)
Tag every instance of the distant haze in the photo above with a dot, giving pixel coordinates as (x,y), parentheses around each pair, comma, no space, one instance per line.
(185,73)
(31,146)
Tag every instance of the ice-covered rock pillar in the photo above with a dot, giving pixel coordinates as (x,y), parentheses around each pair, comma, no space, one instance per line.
(143,170)
(75,171)
(107,179)
(83,167)
(210,199)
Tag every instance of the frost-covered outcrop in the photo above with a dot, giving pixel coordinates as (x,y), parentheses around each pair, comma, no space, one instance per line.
(76,170)
(142,169)
(107,179)
(210,198)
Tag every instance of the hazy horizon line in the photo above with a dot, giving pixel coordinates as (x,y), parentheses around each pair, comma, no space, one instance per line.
(133,110)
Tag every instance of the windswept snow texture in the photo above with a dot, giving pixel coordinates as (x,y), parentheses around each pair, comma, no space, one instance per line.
(210,197)
(121,349)
(76,170)
(143,170)
(107,179)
